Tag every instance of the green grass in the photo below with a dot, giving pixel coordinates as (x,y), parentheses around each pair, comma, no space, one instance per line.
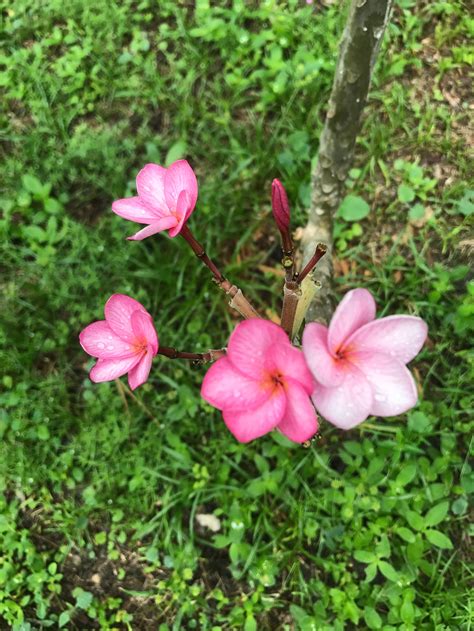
(100,491)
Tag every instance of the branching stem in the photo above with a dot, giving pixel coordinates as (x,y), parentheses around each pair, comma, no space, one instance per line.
(237,299)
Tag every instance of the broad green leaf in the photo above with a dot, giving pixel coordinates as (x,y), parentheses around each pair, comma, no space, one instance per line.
(64,618)
(372,618)
(406,475)
(175,152)
(407,612)
(416,212)
(353,208)
(406,534)
(415,520)
(405,193)
(388,571)
(364,556)
(83,598)
(436,514)
(32,184)
(439,539)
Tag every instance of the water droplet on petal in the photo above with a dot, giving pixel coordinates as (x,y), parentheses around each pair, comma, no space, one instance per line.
(380,397)
(100,345)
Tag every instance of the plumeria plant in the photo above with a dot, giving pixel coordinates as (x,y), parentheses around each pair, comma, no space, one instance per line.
(262,381)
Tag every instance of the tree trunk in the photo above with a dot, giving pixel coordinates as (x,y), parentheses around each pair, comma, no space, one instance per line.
(358,51)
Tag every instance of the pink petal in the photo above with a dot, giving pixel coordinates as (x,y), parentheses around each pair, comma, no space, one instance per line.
(401,336)
(118,314)
(183,210)
(134,209)
(143,329)
(180,177)
(250,342)
(157,226)
(326,369)
(346,405)
(226,388)
(392,384)
(99,340)
(289,362)
(355,309)
(139,374)
(251,423)
(299,422)
(109,369)
(151,187)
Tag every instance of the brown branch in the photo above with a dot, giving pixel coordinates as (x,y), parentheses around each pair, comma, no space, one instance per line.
(359,47)
(172,353)
(291,296)
(320,251)
(237,299)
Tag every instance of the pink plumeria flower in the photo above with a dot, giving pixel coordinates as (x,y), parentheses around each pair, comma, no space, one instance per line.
(125,342)
(166,199)
(263,383)
(360,363)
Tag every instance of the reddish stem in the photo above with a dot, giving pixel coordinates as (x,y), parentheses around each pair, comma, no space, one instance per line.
(172,353)
(320,251)
(238,301)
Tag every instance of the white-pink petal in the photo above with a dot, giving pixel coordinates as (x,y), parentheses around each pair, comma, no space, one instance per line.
(326,369)
(249,344)
(145,332)
(151,187)
(348,404)
(109,369)
(299,422)
(401,336)
(118,314)
(252,423)
(355,309)
(134,209)
(393,387)
(180,177)
(226,388)
(139,374)
(164,223)
(99,340)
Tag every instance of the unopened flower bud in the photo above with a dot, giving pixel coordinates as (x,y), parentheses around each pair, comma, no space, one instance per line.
(280,206)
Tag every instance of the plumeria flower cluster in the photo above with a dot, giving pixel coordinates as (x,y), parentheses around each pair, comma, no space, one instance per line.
(354,368)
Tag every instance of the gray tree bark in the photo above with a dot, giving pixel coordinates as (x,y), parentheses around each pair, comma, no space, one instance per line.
(360,44)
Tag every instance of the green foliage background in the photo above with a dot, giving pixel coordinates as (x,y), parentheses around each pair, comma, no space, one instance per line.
(99,492)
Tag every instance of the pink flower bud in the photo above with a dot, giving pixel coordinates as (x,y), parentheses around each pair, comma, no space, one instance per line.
(280,206)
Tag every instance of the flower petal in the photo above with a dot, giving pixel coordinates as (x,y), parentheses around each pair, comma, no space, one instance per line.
(182,212)
(164,223)
(346,405)
(180,177)
(109,369)
(300,421)
(143,329)
(250,342)
(251,423)
(99,340)
(401,336)
(139,373)
(326,369)
(392,383)
(226,388)
(151,187)
(118,314)
(355,309)
(134,209)
(290,362)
